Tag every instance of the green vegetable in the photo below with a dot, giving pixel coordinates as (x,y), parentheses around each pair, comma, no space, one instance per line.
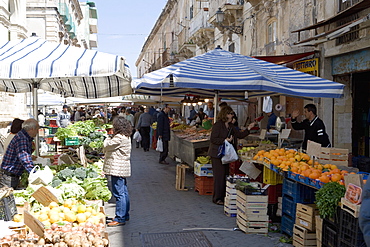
(64,133)
(80,173)
(66,173)
(96,189)
(71,190)
(328,198)
(56,182)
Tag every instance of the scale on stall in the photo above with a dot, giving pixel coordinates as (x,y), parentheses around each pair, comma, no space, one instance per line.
(283,132)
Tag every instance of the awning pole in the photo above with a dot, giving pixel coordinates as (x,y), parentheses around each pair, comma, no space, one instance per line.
(215,106)
(35,115)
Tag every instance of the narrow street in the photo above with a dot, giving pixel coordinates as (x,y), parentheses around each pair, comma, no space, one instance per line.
(158,208)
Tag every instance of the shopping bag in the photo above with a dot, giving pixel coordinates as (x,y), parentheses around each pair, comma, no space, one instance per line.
(137,136)
(230,154)
(221,150)
(38,176)
(159,145)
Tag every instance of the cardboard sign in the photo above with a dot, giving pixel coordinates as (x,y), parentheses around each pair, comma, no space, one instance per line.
(313,148)
(44,196)
(263,134)
(34,224)
(249,169)
(356,179)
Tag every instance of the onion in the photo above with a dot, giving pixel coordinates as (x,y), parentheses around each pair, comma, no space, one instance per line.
(54,226)
(65,229)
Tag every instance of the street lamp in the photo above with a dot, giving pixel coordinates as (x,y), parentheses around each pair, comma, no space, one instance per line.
(220,16)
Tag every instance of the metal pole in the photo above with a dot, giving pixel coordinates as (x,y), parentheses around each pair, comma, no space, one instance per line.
(215,106)
(35,115)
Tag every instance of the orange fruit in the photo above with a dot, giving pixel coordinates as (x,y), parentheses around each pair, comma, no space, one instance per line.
(307,172)
(324,179)
(336,177)
(333,167)
(314,175)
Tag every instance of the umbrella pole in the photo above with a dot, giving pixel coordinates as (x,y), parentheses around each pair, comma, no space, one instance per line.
(215,106)
(35,115)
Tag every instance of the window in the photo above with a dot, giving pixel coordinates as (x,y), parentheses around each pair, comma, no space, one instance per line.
(345,4)
(352,35)
(191,12)
(232,47)
(271,32)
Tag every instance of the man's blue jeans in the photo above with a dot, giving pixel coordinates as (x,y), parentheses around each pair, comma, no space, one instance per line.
(120,192)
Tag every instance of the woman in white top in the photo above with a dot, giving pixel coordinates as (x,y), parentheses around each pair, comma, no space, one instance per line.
(14,129)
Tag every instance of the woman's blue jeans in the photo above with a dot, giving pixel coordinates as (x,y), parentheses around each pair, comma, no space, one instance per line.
(120,192)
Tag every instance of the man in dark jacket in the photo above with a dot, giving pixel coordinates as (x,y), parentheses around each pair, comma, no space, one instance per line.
(313,126)
(164,133)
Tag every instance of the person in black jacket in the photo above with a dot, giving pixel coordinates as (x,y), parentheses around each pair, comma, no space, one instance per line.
(313,126)
(164,133)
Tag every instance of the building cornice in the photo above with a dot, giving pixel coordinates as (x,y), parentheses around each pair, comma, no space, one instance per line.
(165,12)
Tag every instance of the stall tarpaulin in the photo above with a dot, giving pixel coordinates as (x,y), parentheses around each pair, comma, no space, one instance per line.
(33,63)
(231,75)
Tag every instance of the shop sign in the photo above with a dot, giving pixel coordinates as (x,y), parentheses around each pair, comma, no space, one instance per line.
(309,66)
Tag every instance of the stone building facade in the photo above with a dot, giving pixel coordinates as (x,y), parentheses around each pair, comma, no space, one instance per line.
(334,35)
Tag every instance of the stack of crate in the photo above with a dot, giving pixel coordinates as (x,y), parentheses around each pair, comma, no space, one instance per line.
(230,200)
(279,211)
(330,230)
(252,213)
(350,233)
(304,232)
(293,193)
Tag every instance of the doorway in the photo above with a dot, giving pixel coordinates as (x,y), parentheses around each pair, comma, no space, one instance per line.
(361,114)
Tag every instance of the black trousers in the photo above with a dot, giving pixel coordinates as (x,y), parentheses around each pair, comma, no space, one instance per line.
(220,172)
(163,155)
(145,135)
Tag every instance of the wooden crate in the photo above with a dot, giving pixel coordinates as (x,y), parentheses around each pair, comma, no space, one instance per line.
(251,198)
(318,222)
(180,177)
(251,211)
(349,207)
(252,217)
(334,156)
(251,229)
(302,237)
(305,215)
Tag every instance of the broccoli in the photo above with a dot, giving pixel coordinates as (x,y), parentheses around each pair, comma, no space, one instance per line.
(66,173)
(92,174)
(80,173)
(56,181)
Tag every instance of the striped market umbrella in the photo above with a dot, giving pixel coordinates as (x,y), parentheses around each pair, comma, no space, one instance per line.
(232,75)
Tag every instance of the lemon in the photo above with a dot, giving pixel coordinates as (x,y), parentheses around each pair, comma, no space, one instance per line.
(70,217)
(81,209)
(68,203)
(53,205)
(54,218)
(18,218)
(43,217)
(81,217)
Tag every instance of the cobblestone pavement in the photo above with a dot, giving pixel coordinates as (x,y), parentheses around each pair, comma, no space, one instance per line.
(157,207)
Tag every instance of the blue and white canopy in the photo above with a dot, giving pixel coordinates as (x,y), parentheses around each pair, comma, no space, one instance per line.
(231,75)
(61,69)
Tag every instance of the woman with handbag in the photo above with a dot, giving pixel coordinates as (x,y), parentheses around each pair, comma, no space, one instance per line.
(223,130)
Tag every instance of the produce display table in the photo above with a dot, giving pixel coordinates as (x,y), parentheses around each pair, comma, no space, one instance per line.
(186,150)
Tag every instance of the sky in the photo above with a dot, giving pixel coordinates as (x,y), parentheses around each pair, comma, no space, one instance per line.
(123,26)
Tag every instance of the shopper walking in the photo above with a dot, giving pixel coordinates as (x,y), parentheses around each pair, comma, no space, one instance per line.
(117,164)
(143,125)
(18,156)
(313,126)
(164,133)
(223,130)
(136,120)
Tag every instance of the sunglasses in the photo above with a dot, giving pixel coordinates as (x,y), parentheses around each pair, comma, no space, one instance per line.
(231,113)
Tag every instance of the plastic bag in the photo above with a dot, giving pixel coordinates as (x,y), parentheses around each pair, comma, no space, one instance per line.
(221,150)
(159,145)
(137,136)
(38,176)
(230,154)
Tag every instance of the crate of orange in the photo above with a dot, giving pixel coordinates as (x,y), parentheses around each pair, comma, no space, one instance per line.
(335,156)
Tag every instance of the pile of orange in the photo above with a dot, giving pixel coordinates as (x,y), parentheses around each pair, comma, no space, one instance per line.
(301,163)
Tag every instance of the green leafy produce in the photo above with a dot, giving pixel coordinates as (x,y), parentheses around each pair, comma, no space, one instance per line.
(64,133)
(70,189)
(56,182)
(83,128)
(80,173)
(96,189)
(328,198)
(66,173)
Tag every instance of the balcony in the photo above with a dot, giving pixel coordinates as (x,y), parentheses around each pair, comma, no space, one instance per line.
(93,41)
(93,23)
(232,18)
(198,22)
(63,11)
